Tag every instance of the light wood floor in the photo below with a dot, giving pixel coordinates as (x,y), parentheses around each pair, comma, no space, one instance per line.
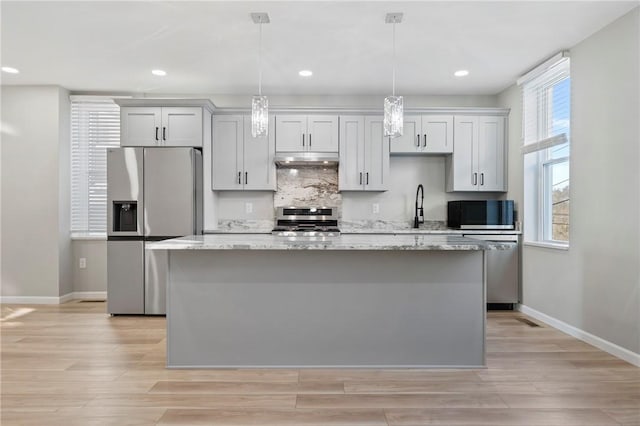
(74,365)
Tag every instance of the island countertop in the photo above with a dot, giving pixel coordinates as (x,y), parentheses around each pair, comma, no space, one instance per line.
(342,242)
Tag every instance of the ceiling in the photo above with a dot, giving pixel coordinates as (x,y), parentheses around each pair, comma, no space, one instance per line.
(211,47)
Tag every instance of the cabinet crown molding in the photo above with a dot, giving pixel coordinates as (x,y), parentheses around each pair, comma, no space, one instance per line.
(369,111)
(164,102)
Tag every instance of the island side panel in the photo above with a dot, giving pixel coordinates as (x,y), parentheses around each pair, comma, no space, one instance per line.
(284,308)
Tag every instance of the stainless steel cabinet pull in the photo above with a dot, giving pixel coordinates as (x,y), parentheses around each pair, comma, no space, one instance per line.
(482,179)
(164,133)
(367,178)
(239,176)
(418,140)
(157,128)
(246,178)
(309,139)
(303,139)
(425,140)
(475,178)
(360,178)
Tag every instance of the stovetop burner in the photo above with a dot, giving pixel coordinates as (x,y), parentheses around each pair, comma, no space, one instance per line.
(306,221)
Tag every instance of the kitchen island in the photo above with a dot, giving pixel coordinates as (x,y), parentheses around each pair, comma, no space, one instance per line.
(256,300)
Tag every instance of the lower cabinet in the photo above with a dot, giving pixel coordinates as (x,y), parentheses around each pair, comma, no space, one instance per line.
(240,161)
(364,154)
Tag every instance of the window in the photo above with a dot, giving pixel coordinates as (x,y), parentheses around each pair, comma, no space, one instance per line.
(546,94)
(95,126)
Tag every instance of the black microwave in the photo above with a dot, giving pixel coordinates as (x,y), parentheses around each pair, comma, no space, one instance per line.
(480,214)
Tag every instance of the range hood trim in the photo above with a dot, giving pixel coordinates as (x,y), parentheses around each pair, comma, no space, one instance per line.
(306,158)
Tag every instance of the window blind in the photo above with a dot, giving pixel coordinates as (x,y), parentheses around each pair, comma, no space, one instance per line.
(546,105)
(95,126)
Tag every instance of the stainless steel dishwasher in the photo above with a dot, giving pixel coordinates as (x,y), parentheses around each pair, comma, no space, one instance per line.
(502,270)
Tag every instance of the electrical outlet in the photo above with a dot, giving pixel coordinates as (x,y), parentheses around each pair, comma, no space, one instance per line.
(375,208)
(82,263)
(248,207)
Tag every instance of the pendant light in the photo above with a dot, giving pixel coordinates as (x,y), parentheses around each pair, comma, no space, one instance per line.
(393,105)
(259,103)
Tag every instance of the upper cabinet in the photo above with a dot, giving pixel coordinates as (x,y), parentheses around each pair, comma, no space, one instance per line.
(158,122)
(240,161)
(425,134)
(478,161)
(299,133)
(364,154)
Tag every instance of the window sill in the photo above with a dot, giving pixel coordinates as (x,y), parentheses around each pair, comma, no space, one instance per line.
(89,236)
(555,246)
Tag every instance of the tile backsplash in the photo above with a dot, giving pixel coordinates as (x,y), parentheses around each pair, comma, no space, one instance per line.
(307,186)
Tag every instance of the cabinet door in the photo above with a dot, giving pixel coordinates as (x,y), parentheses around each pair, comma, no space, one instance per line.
(140,126)
(226,154)
(464,168)
(323,133)
(437,134)
(259,167)
(182,126)
(491,154)
(351,167)
(376,150)
(411,140)
(290,131)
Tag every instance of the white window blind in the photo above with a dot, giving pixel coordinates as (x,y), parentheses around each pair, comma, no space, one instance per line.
(95,126)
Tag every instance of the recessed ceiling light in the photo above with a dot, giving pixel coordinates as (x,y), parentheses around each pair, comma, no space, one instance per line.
(160,73)
(305,73)
(10,70)
(461,73)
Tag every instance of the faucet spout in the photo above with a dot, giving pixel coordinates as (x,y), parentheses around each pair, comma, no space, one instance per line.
(419,213)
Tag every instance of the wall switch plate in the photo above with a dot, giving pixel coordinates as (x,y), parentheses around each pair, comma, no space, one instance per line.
(375,208)
(82,263)
(248,207)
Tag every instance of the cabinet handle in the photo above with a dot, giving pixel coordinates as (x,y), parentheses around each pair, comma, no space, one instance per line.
(246,178)
(164,133)
(309,139)
(475,178)
(418,141)
(157,128)
(360,178)
(482,179)
(425,140)
(303,139)
(239,176)
(367,178)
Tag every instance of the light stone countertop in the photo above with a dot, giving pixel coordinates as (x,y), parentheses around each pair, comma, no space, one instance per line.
(342,242)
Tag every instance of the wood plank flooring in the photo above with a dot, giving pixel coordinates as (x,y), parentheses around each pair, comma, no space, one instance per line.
(73,364)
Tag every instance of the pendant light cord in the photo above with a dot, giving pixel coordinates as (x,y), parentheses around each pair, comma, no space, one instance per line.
(260,62)
(394,60)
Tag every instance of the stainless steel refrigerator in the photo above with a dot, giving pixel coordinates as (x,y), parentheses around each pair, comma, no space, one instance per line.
(152,194)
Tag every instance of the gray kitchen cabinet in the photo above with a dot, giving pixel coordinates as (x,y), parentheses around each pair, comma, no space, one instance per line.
(478,161)
(165,122)
(300,133)
(364,154)
(240,161)
(425,134)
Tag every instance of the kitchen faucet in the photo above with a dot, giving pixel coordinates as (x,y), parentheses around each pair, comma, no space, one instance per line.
(419,217)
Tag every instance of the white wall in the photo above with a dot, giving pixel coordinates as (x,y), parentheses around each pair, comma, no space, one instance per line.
(94,276)
(595,285)
(35,191)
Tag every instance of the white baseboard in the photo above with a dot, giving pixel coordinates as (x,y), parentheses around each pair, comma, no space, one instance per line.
(605,345)
(90,295)
(53,300)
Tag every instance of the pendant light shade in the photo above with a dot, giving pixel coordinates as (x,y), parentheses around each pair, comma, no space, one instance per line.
(393,116)
(259,116)
(260,103)
(393,105)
